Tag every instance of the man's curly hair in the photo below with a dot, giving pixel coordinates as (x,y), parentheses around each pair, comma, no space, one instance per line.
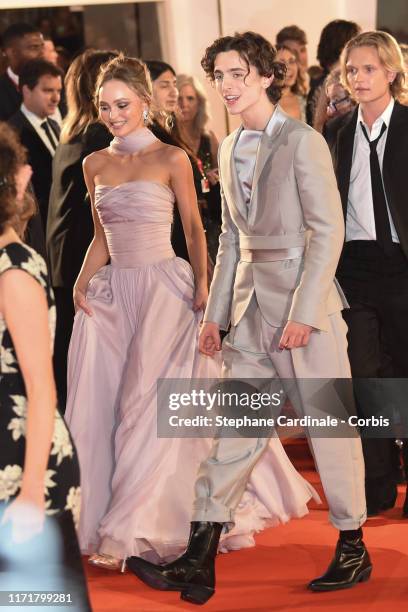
(256,51)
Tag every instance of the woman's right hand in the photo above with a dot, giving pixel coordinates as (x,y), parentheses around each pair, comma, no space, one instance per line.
(80,301)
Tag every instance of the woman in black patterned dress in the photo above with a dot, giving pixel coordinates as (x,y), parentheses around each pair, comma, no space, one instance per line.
(39,474)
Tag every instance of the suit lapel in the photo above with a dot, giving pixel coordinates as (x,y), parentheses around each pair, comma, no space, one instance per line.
(267,147)
(344,158)
(231,184)
(34,134)
(393,143)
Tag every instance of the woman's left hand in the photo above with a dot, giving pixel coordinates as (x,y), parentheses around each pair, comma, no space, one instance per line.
(200,297)
(26,515)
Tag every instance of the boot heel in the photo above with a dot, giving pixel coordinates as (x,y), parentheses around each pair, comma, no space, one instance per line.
(123,566)
(197,594)
(365,575)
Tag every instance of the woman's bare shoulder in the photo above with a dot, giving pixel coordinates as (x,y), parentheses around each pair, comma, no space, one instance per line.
(175,154)
(95,160)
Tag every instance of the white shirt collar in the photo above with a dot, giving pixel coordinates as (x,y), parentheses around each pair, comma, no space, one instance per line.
(34,119)
(267,129)
(385,117)
(13,76)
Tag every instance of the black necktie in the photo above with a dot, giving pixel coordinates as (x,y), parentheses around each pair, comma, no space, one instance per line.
(50,135)
(382,220)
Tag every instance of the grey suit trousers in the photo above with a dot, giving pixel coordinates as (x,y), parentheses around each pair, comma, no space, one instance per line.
(251,351)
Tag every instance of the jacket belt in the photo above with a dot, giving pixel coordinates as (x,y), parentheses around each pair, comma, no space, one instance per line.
(264,255)
(280,241)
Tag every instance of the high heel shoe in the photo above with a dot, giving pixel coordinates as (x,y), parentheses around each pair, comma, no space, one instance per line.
(108,562)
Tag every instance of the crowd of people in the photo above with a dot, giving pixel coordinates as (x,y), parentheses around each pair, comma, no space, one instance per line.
(119,210)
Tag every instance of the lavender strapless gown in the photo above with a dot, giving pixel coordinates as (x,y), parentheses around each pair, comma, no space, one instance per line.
(137,490)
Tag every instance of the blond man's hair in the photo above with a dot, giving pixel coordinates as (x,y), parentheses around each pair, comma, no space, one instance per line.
(390,56)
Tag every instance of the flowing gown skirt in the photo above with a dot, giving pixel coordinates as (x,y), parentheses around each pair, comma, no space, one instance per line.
(137,489)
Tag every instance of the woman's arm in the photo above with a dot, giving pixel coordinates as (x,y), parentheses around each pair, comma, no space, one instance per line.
(97,254)
(182,183)
(24,306)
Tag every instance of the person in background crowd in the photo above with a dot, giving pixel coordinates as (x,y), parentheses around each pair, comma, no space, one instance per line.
(50,53)
(332,40)
(165,100)
(333,108)
(39,473)
(165,93)
(69,224)
(293,100)
(371,163)
(21,43)
(295,39)
(40,83)
(190,127)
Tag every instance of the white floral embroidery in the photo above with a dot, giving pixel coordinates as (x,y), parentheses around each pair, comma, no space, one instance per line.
(7,360)
(5,262)
(61,444)
(17,425)
(10,480)
(48,510)
(74,503)
(48,481)
(36,266)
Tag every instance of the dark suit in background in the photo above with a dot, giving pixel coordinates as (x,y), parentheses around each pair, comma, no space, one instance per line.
(10,98)
(376,287)
(39,158)
(69,233)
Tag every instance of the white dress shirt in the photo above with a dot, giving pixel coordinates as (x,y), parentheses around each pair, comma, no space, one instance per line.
(12,76)
(360,221)
(36,122)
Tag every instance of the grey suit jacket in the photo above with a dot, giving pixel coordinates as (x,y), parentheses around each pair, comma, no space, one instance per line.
(295,203)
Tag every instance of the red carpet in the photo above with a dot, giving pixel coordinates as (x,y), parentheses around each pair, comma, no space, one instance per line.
(272,576)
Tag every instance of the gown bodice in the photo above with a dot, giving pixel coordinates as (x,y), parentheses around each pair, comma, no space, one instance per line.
(136,217)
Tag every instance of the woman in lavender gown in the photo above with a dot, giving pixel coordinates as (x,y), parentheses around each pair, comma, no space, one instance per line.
(137,320)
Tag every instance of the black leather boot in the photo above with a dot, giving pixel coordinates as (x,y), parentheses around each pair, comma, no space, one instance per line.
(351,564)
(193,574)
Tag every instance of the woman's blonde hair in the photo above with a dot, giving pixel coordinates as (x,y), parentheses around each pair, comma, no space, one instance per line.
(131,71)
(390,56)
(79,87)
(202,117)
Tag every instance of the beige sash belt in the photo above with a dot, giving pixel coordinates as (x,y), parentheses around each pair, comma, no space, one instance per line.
(264,255)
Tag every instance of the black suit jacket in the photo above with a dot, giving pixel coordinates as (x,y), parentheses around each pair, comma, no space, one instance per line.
(39,158)
(394,170)
(69,223)
(10,98)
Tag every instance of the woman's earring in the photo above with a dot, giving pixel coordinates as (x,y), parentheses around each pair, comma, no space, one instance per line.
(145,115)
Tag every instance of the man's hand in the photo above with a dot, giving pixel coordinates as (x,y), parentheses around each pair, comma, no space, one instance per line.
(209,340)
(295,335)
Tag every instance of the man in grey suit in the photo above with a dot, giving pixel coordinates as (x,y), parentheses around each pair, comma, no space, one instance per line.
(281,239)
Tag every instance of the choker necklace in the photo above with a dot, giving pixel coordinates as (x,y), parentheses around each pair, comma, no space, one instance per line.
(133,142)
